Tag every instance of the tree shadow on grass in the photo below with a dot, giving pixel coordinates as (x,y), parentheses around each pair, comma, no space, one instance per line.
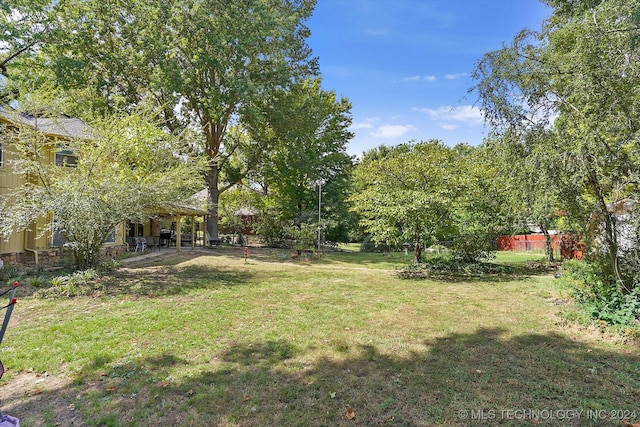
(162,280)
(480,378)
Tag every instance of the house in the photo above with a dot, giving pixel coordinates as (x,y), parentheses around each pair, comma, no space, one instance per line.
(39,243)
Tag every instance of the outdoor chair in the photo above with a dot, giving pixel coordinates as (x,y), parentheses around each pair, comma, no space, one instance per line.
(141,244)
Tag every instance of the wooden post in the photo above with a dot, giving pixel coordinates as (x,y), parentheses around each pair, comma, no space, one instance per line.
(193,232)
(178,233)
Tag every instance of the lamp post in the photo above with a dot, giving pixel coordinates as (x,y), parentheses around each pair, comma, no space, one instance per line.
(320,182)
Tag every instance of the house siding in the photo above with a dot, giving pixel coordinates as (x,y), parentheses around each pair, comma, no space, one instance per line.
(19,246)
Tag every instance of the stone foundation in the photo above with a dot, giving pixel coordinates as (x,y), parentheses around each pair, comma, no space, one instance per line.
(48,257)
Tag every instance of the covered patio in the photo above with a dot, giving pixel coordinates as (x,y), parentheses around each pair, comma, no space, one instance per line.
(151,235)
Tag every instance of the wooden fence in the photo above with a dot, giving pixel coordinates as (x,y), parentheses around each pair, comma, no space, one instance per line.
(563,244)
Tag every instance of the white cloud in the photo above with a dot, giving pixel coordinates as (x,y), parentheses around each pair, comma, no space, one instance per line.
(419,78)
(455,76)
(448,116)
(361,125)
(367,123)
(392,131)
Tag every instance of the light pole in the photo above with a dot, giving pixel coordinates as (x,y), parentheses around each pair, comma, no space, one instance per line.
(320,182)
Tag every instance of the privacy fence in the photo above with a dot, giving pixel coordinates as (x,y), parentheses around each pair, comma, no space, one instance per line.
(563,244)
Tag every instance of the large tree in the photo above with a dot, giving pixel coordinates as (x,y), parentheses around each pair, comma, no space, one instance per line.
(532,181)
(581,74)
(310,127)
(209,63)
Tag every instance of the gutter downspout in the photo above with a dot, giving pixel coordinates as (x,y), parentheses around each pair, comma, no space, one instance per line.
(35,252)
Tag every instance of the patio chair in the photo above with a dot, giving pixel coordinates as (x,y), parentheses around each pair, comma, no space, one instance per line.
(141,244)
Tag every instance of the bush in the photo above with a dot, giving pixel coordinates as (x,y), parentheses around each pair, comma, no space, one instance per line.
(109,265)
(70,285)
(12,272)
(448,265)
(596,293)
(305,236)
(471,248)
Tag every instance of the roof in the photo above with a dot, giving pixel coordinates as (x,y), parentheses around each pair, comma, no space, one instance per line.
(61,126)
(180,209)
(194,205)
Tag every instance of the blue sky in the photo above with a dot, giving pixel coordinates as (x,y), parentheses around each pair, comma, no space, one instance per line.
(405,65)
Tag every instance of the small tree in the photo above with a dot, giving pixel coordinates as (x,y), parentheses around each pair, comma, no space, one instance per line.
(406,193)
(123,168)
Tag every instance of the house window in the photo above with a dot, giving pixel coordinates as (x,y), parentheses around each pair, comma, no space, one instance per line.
(111,237)
(65,157)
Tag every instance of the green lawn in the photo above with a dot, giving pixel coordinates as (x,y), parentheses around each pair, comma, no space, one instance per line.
(205,339)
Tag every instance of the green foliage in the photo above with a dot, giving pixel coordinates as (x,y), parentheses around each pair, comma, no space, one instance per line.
(472,247)
(306,157)
(596,292)
(407,193)
(427,192)
(109,266)
(565,96)
(368,245)
(10,273)
(305,236)
(71,285)
(448,265)
(210,66)
(125,168)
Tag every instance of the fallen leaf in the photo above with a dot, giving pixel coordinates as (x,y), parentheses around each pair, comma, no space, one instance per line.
(37,391)
(111,389)
(628,424)
(350,413)
(478,371)
(332,394)
(246,397)
(163,384)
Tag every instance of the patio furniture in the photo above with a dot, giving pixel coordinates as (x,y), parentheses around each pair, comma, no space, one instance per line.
(141,244)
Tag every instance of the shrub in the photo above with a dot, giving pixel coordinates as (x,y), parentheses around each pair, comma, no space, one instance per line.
(70,285)
(472,248)
(448,265)
(109,265)
(596,293)
(12,272)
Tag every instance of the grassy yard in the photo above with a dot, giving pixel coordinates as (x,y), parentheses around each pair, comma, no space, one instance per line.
(205,339)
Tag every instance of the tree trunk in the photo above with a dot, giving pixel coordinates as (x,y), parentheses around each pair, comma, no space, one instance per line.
(548,245)
(214,134)
(417,249)
(610,232)
(213,205)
